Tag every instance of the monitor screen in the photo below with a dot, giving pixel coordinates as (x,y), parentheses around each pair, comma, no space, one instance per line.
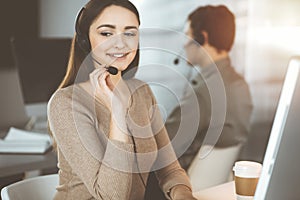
(12,108)
(6,57)
(280,176)
(42,64)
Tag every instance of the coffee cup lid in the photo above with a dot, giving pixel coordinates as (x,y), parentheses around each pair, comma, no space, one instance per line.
(247,169)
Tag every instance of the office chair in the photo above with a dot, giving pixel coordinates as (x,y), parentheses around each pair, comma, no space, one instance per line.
(37,188)
(213,169)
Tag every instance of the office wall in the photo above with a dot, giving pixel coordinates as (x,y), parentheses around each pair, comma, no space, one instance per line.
(273,37)
(57,17)
(17,18)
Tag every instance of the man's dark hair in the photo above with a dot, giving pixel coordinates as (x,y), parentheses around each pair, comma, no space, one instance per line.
(218,22)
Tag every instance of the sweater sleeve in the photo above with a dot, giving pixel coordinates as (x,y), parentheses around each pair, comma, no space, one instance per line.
(169,172)
(95,167)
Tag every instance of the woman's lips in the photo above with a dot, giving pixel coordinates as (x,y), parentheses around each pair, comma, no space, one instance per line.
(117,55)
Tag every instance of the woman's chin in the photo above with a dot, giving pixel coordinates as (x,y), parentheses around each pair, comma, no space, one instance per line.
(121,66)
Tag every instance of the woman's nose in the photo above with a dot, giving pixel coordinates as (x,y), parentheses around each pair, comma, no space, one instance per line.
(119,42)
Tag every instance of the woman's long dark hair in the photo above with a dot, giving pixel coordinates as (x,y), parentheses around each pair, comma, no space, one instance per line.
(81,47)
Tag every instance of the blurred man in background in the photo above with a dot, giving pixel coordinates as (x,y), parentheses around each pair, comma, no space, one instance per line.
(211,32)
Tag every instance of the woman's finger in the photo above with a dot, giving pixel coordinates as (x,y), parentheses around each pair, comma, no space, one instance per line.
(102,82)
(95,75)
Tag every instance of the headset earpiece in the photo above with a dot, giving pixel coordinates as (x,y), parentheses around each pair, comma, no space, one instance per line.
(83,44)
(200,38)
(81,39)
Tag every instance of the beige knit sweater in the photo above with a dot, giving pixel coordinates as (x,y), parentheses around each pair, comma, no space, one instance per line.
(92,166)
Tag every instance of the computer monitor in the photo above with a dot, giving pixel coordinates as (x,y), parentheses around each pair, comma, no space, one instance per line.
(280,177)
(42,64)
(12,108)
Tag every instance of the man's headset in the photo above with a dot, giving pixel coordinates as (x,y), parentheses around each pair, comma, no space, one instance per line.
(199,39)
(84,43)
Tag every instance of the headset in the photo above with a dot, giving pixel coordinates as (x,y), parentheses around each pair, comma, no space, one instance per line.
(199,38)
(81,39)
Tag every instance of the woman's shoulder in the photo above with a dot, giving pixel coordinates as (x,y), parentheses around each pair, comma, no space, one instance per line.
(61,97)
(60,93)
(135,81)
(139,85)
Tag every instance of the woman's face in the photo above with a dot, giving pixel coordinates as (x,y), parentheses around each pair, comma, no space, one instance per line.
(114,37)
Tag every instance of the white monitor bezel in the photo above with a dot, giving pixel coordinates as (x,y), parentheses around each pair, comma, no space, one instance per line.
(285,100)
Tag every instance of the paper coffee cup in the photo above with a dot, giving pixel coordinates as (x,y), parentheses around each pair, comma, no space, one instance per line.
(246,175)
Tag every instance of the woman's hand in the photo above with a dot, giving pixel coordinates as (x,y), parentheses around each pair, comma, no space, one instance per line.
(115,98)
(182,192)
(100,88)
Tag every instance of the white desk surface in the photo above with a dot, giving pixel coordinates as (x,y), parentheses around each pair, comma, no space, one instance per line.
(224,191)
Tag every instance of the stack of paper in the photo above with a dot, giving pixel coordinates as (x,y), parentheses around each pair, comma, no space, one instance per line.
(21,141)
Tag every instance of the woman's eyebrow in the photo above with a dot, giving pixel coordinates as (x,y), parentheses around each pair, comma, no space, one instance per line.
(106,25)
(131,27)
(113,26)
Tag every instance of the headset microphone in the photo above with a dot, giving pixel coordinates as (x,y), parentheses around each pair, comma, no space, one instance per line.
(177,59)
(112,70)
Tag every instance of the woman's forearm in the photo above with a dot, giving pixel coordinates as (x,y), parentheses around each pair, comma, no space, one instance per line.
(118,131)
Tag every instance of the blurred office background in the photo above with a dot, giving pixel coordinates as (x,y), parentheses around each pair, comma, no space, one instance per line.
(267,36)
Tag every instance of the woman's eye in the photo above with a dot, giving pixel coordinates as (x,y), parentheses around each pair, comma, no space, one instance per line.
(130,34)
(106,34)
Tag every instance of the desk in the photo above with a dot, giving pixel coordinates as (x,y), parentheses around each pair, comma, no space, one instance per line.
(225,191)
(12,164)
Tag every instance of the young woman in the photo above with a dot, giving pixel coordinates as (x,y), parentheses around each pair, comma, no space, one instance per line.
(108,133)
